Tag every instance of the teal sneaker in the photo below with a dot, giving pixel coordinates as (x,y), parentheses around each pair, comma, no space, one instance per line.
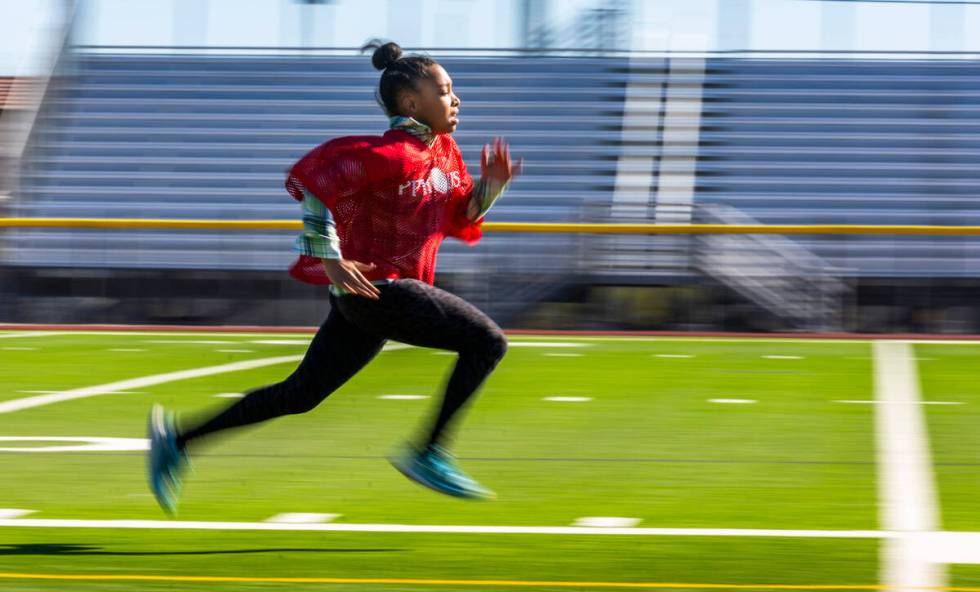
(165,462)
(435,468)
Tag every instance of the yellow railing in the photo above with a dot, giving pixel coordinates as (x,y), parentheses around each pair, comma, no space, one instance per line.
(533,227)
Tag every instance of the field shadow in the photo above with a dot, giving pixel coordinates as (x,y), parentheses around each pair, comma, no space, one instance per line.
(70,549)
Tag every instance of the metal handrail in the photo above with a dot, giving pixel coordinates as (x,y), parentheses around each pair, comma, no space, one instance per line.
(530,227)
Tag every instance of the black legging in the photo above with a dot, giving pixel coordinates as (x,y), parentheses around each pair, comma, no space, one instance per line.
(408,311)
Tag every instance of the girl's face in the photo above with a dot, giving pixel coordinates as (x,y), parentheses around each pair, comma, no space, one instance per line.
(434,103)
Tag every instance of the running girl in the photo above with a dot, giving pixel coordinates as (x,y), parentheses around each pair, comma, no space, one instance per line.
(375,211)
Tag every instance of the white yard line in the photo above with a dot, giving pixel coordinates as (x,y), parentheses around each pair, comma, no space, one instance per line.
(301,518)
(693,338)
(198,334)
(948,547)
(853,401)
(111,393)
(145,381)
(941,341)
(79,444)
(545,343)
(906,489)
(390,346)
(141,382)
(443,529)
(9,513)
(195,341)
(606,522)
(34,334)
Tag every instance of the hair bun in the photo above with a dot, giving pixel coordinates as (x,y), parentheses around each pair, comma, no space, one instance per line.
(385,54)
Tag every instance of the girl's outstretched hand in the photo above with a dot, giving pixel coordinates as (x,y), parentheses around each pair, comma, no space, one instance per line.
(495,162)
(347,274)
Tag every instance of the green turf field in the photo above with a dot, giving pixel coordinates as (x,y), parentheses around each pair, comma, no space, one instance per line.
(671,433)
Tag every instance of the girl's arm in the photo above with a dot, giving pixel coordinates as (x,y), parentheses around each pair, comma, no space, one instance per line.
(485,192)
(496,172)
(319,239)
(335,171)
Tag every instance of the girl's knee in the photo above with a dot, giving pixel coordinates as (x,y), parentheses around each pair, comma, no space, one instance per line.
(489,347)
(496,345)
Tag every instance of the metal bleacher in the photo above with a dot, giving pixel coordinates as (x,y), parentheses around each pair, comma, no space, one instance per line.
(203,136)
(846,141)
(788,140)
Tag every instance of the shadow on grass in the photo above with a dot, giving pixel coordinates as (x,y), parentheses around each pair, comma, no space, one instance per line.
(69,549)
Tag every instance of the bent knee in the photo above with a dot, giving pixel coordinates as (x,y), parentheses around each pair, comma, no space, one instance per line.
(496,345)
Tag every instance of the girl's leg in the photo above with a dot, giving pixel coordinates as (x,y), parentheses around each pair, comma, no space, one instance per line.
(338,351)
(416,313)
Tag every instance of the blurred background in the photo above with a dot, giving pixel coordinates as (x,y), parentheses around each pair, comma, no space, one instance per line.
(667,111)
